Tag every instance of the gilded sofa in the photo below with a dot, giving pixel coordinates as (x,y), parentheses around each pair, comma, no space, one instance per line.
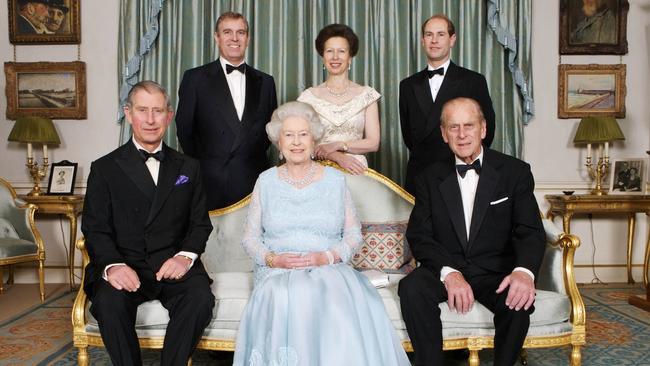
(559,318)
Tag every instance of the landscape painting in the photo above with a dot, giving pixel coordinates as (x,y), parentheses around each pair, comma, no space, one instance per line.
(50,89)
(589,90)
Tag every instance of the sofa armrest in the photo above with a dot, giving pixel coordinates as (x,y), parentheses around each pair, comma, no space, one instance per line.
(569,243)
(81,301)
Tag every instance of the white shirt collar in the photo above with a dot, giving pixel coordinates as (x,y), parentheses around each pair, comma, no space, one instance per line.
(444,66)
(138,146)
(479,157)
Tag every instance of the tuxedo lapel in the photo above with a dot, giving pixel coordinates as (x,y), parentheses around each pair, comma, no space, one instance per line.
(448,85)
(422,92)
(130,161)
(253,87)
(450,192)
(169,168)
(487,184)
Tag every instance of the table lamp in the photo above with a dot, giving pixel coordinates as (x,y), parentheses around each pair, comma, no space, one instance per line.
(34,129)
(600,131)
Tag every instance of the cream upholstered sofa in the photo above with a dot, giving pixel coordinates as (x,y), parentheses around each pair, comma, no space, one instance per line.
(559,318)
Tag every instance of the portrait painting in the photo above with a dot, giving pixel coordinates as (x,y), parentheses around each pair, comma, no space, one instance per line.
(44,22)
(628,176)
(593,27)
(62,177)
(591,90)
(50,89)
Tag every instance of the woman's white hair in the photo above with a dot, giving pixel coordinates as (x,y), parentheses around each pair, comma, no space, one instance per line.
(294,109)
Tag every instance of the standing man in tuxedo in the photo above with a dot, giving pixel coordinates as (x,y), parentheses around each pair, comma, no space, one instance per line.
(146,225)
(422,95)
(477,234)
(223,108)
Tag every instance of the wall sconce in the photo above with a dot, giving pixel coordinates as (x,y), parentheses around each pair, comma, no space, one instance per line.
(600,131)
(37,130)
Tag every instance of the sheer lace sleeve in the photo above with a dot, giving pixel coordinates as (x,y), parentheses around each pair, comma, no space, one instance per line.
(252,241)
(351,240)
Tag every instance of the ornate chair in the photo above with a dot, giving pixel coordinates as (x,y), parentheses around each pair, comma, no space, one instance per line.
(20,241)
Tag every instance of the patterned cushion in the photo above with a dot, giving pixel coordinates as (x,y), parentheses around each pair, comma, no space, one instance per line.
(384,248)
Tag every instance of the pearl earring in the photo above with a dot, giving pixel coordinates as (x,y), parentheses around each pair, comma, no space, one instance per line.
(280,157)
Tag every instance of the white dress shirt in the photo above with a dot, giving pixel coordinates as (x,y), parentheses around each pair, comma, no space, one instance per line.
(436,81)
(468,186)
(237,85)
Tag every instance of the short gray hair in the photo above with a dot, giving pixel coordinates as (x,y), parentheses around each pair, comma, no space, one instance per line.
(150,87)
(294,109)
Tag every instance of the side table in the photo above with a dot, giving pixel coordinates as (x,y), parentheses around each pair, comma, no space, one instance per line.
(69,206)
(582,204)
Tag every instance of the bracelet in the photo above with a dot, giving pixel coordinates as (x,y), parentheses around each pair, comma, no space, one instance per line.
(344,148)
(330,257)
(269,259)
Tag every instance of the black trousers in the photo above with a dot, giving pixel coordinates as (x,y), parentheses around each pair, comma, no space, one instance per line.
(420,293)
(189,304)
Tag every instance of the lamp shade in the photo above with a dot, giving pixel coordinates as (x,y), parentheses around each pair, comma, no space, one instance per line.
(34,129)
(598,129)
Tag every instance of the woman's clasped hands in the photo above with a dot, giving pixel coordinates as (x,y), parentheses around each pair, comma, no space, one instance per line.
(297,261)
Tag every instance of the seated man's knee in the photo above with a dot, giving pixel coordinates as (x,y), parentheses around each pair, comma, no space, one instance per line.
(418,283)
(109,301)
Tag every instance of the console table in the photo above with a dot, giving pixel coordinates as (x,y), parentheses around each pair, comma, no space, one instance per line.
(69,206)
(583,204)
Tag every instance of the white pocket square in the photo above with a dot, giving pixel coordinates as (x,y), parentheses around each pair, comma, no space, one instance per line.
(498,201)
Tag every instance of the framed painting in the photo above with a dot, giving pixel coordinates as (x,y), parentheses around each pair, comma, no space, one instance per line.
(62,176)
(593,27)
(44,22)
(628,176)
(591,90)
(55,90)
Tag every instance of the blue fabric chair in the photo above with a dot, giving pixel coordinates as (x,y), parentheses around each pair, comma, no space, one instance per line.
(20,241)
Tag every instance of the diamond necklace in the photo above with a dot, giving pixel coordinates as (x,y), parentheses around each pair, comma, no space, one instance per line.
(338,95)
(298,183)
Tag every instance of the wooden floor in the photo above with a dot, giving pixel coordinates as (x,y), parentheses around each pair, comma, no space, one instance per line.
(19,297)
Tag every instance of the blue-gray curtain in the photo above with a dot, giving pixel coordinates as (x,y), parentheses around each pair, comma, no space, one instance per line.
(282,44)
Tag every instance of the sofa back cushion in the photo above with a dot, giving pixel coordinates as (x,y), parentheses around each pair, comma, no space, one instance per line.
(224,252)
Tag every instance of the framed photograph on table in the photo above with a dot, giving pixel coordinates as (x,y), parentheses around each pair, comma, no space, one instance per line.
(628,176)
(62,176)
(55,90)
(44,22)
(593,27)
(591,90)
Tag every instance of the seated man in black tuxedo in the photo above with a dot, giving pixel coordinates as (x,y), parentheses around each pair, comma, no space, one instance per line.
(146,225)
(477,234)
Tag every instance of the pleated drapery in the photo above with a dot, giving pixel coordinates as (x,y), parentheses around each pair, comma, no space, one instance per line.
(282,34)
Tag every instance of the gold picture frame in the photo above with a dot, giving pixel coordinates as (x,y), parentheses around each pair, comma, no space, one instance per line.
(591,90)
(628,176)
(593,29)
(55,90)
(44,22)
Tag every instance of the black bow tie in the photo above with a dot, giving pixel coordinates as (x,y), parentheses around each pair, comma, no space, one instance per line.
(230,68)
(463,168)
(439,71)
(158,155)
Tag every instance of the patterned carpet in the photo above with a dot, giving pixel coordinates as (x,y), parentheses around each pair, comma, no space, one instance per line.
(617,335)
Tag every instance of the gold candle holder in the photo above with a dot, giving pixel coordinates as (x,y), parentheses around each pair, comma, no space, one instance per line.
(598,173)
(37,173)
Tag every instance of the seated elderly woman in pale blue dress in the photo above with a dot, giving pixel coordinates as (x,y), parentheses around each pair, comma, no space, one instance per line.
(308,307)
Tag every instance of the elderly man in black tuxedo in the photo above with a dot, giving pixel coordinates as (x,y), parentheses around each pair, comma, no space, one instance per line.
(146,225)
(477,234)
(422,95)
(223,108)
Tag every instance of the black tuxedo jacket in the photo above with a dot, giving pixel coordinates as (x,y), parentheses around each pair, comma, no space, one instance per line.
(420,115)
(128,219)
(506,229)
(232,153)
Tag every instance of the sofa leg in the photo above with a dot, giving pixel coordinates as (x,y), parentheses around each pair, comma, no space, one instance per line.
(2,280)
(523,357)
(82,357)
(473,357)
(41,280)
(10,280)
(189,362)
(576,356)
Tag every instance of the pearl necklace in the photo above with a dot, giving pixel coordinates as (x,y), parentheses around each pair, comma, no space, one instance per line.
(335,94)
(298,183)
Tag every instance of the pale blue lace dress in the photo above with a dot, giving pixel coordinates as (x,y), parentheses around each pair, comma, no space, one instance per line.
(327,315)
